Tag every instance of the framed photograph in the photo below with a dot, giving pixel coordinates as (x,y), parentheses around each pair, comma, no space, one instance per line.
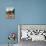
(10,13)
(32,32)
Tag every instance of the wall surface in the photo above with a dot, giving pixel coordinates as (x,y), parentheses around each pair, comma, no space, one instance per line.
(27,12)
(6,25)
(31,11)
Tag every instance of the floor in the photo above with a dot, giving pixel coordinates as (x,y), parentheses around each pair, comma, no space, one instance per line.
(7,45)
(30,43)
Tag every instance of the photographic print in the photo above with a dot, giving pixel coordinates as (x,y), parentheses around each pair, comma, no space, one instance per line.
(31,33)
(10,13)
